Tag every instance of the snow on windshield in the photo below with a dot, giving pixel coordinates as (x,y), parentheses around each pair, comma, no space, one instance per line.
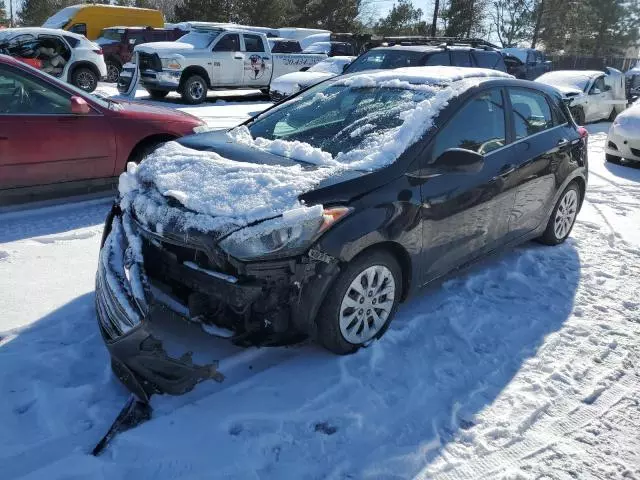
(331,65)
(568,79)
(360,123)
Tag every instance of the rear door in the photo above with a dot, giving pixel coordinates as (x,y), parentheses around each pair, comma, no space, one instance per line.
(227,61)
(257,63)
(542,144)
(466,215)
(41,142)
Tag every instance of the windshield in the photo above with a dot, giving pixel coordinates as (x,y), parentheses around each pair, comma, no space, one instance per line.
(198,39)
(516,52)
(573,80)
(60,19)
(386,59)
(110,35)
(320,47)
(340,118)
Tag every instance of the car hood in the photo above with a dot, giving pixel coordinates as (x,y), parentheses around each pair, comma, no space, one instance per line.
(164,47)
(151,112)
(568,91)
(302,78)
(210,183)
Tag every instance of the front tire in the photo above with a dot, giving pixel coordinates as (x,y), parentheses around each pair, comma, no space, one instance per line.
(578,115)
(113,71)
(194,90)
(85,79)
(563,217)
(157,94)
(361,303)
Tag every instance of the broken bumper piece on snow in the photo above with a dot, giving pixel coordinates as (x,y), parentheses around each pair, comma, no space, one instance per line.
(146,280)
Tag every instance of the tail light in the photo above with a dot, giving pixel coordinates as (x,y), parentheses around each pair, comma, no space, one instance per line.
(98,51)
(583,132)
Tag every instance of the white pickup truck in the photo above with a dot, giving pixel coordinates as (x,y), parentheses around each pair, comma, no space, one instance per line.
(209,58)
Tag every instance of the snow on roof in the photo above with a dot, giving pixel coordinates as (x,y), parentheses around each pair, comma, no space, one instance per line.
(225,195)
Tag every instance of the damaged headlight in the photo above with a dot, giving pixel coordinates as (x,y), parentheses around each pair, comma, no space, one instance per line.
(285,235)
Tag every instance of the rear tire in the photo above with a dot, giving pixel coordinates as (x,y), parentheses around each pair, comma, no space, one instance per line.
(194,90)
(361,303)
(157,94)
(563,217)
(85,79)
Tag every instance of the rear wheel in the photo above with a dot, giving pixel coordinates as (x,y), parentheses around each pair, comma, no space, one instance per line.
(85,79)
(113,71)
(360,305)
(194,90)
(563,217)
(157,94)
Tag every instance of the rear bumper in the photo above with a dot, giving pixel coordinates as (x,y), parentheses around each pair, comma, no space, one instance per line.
(132,305)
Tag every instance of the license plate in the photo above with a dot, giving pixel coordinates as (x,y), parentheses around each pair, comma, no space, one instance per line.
(126,74)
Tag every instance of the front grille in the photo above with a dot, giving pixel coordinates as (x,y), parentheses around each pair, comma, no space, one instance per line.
(113,319)
(635,151)
(149,61)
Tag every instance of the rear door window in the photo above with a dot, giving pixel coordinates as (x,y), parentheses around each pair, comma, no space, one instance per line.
(486,113)
(253,43)
(486,59)
(438,58)
(531,112)
(460,58)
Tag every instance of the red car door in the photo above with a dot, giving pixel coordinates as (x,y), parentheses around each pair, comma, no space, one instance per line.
(41,141)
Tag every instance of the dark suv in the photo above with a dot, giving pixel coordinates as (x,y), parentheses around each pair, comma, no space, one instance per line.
(526,63)
(118,42)
(429,51)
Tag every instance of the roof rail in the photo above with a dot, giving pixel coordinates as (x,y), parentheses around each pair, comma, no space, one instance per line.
(440,41)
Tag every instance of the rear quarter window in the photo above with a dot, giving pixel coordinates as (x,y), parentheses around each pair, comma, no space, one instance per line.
(488,59)
(73,42)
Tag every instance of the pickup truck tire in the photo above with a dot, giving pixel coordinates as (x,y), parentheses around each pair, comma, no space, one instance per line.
(157,94)
(194,90)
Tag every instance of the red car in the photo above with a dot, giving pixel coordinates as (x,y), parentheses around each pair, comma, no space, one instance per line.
(52,133)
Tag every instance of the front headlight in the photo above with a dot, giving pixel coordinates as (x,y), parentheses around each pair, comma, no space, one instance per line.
(171,63)
(286,235)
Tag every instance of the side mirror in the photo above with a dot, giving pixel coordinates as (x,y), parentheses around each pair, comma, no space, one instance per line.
(79,106)
(458,160)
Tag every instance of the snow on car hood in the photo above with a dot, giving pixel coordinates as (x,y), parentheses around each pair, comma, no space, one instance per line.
(160,47)
(627,123)
(224,195)
(568,91)
(292,82)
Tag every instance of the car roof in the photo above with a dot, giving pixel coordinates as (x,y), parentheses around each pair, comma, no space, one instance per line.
(40,30)
(430,48)
(434,75)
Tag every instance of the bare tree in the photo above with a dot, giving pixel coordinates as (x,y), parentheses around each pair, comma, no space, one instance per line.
(513,20)
(434,23)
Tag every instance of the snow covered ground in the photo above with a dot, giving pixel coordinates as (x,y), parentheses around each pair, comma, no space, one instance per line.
(525,367)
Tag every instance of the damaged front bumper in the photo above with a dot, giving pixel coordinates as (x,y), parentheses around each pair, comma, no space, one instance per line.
(146,279)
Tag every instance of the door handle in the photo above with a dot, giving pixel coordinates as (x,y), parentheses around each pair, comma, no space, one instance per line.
(563,142)
(506,170)
(238,56)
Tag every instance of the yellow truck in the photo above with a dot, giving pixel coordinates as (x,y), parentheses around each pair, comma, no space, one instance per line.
(89,19)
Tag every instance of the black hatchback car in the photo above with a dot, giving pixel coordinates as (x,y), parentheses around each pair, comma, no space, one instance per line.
(319,216)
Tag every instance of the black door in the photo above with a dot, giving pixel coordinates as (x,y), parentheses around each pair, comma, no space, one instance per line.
(466,214)
(541,151)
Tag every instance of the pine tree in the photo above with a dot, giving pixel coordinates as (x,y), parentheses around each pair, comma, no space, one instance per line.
(465,18)
(206,11)
(514,20)
(34,12)
(334,15)
(403,19)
